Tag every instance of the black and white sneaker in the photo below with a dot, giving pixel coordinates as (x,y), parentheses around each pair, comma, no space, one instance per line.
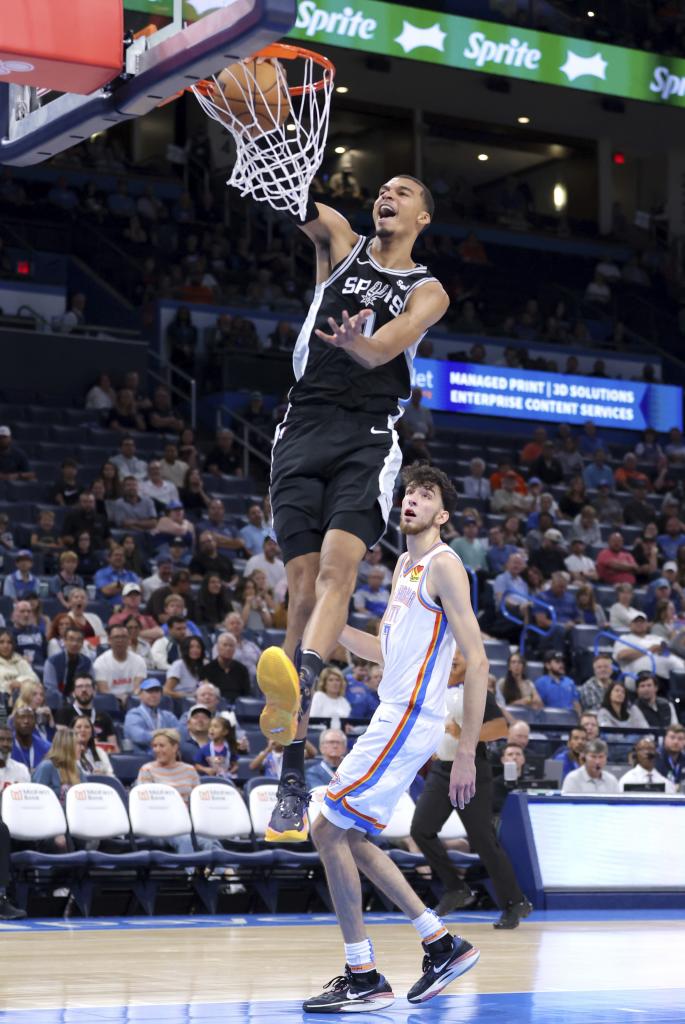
(348,994)
(441,968)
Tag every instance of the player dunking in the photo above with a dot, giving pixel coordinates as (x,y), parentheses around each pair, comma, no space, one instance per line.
(429,609)
(336,454)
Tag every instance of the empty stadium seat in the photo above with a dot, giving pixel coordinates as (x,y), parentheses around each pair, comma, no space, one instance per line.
(219,812)
(95,811)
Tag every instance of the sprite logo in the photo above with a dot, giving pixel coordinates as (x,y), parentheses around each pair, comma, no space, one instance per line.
(667,84)
(348,22)
(516,53)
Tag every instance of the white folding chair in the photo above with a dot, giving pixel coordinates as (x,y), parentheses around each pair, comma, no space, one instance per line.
(219,812)
(261,802)
(96,811)
(157,812)
(399,826)
(32,812)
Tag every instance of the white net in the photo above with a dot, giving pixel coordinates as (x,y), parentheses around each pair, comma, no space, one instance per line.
(279,133)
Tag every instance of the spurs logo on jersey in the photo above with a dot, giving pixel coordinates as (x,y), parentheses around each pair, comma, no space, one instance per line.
(325,374)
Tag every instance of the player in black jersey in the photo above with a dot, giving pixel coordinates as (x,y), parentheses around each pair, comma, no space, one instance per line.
(336,453)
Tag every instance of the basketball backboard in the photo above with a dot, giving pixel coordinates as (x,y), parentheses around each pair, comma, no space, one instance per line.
(169,45)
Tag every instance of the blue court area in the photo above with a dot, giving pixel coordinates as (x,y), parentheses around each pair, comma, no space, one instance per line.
(611,1007)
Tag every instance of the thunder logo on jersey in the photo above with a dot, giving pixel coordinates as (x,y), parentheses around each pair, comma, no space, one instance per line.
(373,292)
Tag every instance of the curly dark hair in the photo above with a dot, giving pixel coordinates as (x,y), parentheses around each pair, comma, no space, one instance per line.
(421,474)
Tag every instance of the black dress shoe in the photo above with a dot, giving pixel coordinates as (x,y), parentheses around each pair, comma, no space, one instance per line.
(513,913)
(8,912)
(455,899)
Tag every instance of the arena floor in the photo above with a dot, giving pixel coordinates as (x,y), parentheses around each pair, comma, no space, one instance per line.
(598,968)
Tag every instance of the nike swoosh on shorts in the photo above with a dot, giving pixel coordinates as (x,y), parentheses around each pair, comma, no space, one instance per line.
(374,430)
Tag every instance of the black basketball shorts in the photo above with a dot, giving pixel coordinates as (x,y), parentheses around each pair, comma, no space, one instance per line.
(332,469)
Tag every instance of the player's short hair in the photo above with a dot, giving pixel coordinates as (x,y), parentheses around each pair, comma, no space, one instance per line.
(423,475)
(426,194)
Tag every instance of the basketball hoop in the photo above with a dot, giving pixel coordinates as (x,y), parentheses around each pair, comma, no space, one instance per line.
(279,142)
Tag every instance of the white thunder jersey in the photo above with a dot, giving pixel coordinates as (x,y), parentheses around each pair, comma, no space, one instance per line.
(417,642)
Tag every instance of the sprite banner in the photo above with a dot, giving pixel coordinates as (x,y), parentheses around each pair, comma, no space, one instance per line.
(473,45)
(492,48)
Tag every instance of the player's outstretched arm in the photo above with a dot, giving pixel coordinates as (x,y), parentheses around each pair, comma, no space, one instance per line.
(448,581)
(425,307)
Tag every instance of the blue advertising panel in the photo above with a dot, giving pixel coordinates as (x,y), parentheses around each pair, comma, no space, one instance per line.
(533,395)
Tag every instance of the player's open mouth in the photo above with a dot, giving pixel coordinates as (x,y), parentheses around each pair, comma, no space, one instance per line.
(408,514)
(385,210)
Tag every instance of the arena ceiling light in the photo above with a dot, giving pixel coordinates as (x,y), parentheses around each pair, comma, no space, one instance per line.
(559,197)
(341,89)
(483,157)
(523,119)
(340,150)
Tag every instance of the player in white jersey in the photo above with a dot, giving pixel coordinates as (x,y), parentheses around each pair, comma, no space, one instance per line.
(428,613)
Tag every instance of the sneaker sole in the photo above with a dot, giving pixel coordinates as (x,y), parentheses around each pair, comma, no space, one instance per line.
(459,967)
(278,680)
(369,1005)
(272,835)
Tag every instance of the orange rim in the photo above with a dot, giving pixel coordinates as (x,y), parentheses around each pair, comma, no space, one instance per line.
(284,51)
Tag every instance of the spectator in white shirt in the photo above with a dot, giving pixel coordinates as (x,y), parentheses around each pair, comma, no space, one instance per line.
(118,670)
(580,565)
(161,577)
(644,771)
(591,777)
(171,467)
(271,565)
(10,770)
(656,657)
(475,484)
(329,699)
(622,610)
(127,462)
(156,487)
(167,649)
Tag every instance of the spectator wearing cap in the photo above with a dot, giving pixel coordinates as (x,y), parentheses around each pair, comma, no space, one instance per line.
(20,583)
(614,563)
(547,466)
(127,462)
(671,539)
(549,557)
(598,472)
(571,756)
(154,486)
(645,652)
(472,551)
(131,596)
(173,524)
(130,511)
(195,732)
(112,578)
(254,534)
(660,590)
(556,689)
(475,484)
(506,499)
(14,464)
(141,722)
(657,712)
(580,566)
(63,668)
(591,778)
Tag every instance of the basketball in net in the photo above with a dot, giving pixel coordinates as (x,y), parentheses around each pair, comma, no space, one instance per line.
(278,123)
(255,93)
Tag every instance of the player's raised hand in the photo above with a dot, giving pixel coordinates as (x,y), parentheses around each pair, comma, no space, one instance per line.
(348,331)
(462,780)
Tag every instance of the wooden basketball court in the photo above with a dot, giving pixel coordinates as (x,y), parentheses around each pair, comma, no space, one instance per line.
(592,967)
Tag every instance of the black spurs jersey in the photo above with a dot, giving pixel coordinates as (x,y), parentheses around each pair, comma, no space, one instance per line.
(327,375)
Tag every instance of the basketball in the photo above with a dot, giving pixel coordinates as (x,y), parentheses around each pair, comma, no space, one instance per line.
(255,93)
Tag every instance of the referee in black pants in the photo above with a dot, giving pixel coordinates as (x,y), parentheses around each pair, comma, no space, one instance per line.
(434,808)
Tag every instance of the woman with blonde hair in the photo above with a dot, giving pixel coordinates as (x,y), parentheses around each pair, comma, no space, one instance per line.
(60,769)
(329,700)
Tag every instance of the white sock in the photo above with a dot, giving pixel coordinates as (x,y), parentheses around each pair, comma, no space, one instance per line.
(429,926)
(359,956)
